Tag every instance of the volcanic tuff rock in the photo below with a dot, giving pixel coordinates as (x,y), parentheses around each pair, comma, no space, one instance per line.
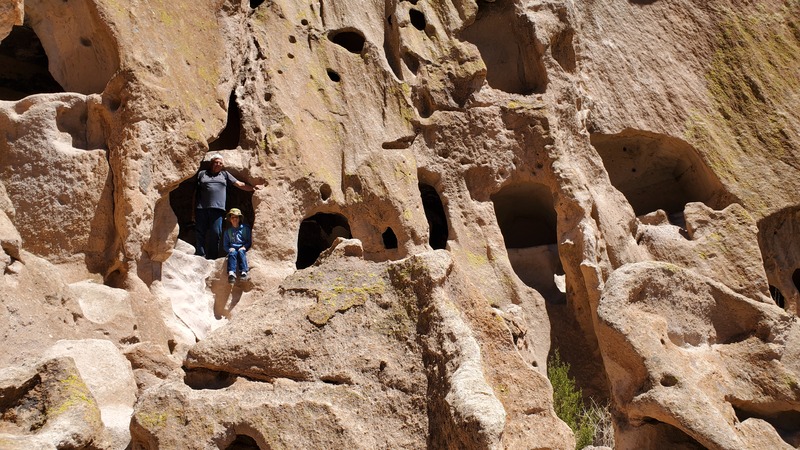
(452,190)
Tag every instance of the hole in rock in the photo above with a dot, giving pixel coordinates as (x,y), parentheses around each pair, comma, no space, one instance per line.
(325,192)
(304,22)
(243,442)
(255,3)
(183,203)
(777,296)
(509,48)
(527,219)
(200,379)
(785,423)
(316,235)
(229,137)
(669,172)
(334,76)
(24,66)
(434,213)
(417,19)
(350,39)
(669,380)
(389,239)
(796,278)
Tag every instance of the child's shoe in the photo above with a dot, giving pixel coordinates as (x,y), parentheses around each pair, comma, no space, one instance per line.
(231,277)
(243,276)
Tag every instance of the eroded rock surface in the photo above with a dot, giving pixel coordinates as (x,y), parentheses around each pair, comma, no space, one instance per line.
(452,190)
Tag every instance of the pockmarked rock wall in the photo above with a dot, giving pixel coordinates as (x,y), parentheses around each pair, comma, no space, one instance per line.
(452,191)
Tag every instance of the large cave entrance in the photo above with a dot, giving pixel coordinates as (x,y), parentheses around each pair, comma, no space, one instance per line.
(182,201)
(24,66)
(527,220)
(317,234)
(657,172)
(511,52)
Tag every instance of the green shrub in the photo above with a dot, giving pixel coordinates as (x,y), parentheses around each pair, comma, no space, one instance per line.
(592,424)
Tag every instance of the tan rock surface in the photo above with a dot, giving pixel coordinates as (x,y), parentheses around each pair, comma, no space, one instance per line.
(451,191)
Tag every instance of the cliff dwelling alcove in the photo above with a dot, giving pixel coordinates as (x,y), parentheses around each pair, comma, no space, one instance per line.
(509,48)
(182,201)
(316,235)
(230,135)
(24,66)
(434,213)
(657,172)
(527,220)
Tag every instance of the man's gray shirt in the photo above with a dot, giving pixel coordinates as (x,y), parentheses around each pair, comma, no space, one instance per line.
(212,189)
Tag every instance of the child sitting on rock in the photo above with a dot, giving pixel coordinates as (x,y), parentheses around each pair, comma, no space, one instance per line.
(237,241)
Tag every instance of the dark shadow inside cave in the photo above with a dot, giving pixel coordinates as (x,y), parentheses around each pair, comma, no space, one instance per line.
(316,235)
(351,39)
(434,213)
(24,66)
(230,136)
(527,220)
(657,172)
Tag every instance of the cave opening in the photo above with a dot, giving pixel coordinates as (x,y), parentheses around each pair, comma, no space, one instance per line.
(182,202)
(317,234)
(351,40)
(657,172)
(255,3)
(417,18)
(335,77)
(513,56)
(230,135)
(777,296)
(24,66)
(389,239)
(796,279)
(243,442)
(434,213)
(527,219)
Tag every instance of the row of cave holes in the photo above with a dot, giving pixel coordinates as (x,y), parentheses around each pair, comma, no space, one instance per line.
(317,232)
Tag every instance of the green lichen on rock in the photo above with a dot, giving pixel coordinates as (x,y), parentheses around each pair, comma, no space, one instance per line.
(754,66)
(75,394)
(346,292)
(152,420)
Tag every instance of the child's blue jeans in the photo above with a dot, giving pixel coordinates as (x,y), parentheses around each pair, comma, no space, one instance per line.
(237,257)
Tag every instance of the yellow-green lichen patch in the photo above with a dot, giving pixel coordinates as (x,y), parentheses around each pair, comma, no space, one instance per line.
(75,394)
(754,66)
(346,292)
(152,420)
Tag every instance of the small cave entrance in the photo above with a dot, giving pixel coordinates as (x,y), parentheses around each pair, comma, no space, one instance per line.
(24,66)
(316,235)
(389,239)
(182,201)
(351,39)
(512,53)
(657,172)
(527,219)
(231,134)
(243,442)
(777,296)
(434,213)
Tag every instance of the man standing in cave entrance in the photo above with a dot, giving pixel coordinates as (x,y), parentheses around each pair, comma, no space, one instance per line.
(211,194)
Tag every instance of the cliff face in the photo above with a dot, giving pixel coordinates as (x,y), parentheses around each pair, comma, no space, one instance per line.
(452,190)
